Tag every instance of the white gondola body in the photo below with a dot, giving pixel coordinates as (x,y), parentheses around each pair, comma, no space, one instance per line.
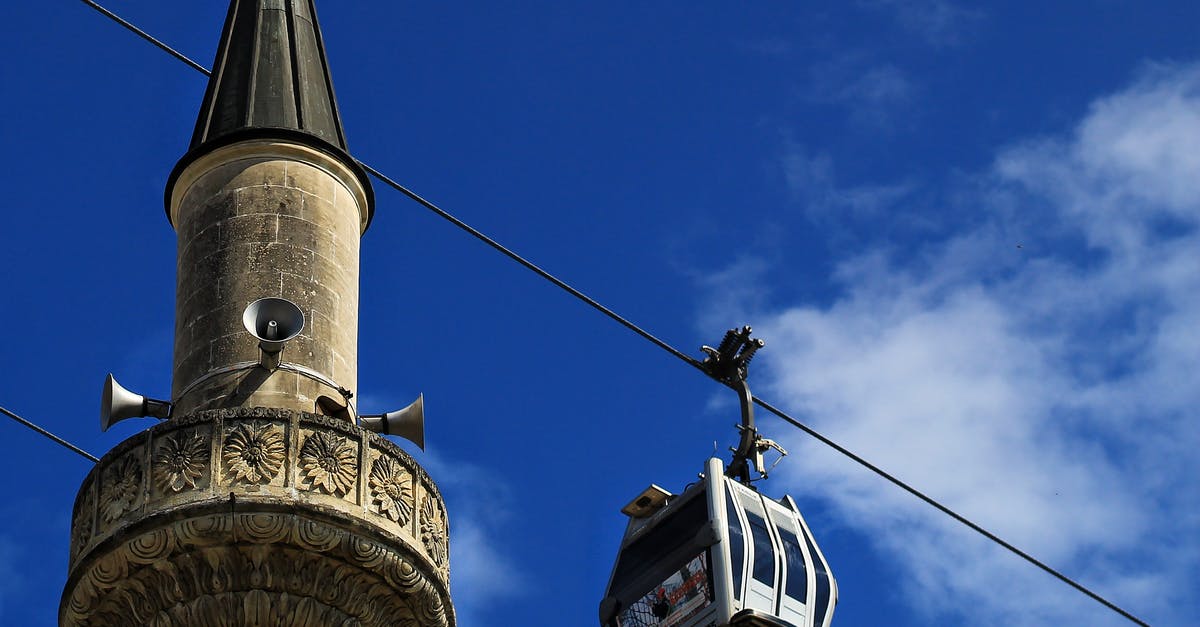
(719,554)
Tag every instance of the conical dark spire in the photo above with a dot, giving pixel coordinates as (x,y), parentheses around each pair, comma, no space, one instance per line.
(270,73)
(271,80)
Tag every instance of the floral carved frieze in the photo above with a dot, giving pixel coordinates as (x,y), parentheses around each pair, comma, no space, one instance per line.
(433,530)
(251,460)
(328,463)
(391,490)
(180,460)
(285,569)
(253,453)
(121,488)
(81,526)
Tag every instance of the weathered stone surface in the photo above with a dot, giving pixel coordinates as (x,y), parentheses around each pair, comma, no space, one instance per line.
(264,225)
(257,516)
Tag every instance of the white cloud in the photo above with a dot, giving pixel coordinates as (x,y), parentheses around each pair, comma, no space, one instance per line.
(885,85)
(480,572)
(1131,164)
(480,505)
(938,22)
(1049,392)
(876,97)
(813,182)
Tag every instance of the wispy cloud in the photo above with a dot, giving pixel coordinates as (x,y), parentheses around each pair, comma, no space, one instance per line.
(480,507)
(813,183)
(938,22)
(1048,391)
(875,96)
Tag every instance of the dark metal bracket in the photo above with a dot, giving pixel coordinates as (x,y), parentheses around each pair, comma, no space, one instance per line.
(729,363)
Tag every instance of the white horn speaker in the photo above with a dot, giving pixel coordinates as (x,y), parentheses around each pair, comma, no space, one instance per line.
(273,322)
(408,423)
(117,404)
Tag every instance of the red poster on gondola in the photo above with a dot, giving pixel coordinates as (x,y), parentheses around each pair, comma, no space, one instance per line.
(678,598)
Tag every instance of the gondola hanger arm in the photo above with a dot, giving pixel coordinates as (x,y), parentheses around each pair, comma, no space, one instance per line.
(729,363)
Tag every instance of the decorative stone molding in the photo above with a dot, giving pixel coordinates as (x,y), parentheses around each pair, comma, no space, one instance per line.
(253,453)
(328,463)
(121,487)
(179,460)
(258,516)
(391,490)
(433,530)
(83,522)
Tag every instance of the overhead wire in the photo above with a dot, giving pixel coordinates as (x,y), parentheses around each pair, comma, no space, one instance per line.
(147,36)
(659,343)
(46,433)
(531,266)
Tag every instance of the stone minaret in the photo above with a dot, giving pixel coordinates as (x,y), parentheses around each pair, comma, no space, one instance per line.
(260,501)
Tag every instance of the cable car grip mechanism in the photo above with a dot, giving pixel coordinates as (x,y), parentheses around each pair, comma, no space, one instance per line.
(729,363)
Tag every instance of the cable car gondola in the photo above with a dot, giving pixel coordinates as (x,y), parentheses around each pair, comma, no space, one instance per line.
(720,553)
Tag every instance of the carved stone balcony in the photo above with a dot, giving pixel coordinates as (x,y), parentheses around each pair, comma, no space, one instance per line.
(258,516)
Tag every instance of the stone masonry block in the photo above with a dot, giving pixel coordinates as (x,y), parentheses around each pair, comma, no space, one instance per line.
(303,234)
(311,180)
(258,228)
(202,242)
(340,217)
(255,172)
(277,259)
(310,295)
(202,215)
(270,199)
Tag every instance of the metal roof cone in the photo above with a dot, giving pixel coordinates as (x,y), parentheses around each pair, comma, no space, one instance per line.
(270,80)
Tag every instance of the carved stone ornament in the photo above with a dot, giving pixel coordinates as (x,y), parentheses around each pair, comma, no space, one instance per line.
(277,533)
(433,530)
(391,490)
(179,460)
(81,526)
(283,568)
(122,487)
(329,463)
(254,454)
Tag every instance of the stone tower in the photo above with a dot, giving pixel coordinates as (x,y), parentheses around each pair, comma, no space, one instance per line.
(260,501)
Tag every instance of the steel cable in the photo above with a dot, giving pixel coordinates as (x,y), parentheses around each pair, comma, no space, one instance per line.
(49,435)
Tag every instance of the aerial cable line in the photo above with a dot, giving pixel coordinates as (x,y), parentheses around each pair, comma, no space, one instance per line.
(49,435)
(144,35)
(663,345)
(531,266)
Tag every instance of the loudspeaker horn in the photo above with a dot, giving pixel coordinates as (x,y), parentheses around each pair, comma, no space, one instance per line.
(117,404)
(273,322)
(408,423)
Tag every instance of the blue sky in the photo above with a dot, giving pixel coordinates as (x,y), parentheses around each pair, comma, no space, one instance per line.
(968,233)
